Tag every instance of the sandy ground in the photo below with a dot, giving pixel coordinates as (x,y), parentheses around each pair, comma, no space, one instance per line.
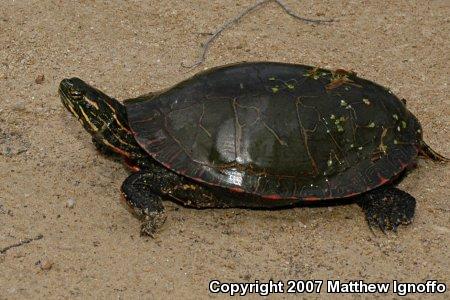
(127,48)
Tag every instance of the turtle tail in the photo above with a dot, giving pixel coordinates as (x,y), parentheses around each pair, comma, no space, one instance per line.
(426,151)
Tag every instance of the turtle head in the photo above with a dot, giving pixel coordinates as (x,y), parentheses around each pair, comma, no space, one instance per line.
(94,109)
(102,116)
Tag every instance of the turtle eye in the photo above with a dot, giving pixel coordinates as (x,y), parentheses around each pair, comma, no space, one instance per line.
(76,95)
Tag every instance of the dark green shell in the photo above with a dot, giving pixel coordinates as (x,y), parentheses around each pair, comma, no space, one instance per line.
(281,131)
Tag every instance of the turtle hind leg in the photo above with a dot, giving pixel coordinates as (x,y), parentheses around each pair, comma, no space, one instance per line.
(387,207)
(139,193)
(426,151)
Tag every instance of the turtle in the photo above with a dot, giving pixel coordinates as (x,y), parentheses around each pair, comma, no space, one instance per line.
(258,135)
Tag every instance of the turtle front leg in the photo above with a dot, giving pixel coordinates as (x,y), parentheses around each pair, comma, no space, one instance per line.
(387,207)
(143,192)
(140,192)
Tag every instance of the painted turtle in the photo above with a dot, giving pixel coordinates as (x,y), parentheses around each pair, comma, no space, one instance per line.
(258,134)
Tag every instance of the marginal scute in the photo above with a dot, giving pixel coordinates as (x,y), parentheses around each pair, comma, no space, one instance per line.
(280,131)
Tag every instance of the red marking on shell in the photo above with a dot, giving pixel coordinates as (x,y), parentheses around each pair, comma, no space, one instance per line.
(175,155)
(150,142)
(272,197)
(352,194)
(402,164)
(166,165)
(236,190)
(311,198)
(383,180)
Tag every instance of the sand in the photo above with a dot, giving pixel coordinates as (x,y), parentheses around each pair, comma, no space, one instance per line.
(53,182)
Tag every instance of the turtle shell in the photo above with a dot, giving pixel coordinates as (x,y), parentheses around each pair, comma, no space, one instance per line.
(280,131)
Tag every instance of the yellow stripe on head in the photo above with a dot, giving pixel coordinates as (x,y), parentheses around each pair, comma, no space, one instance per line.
(117,119)
(88,121)
(93,103)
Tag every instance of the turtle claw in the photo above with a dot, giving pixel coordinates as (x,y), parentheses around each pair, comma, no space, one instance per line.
(151,223)
(395,227)
(373,222)
(388,208)
(383,228)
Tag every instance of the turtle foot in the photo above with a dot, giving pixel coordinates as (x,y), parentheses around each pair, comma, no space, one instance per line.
(387,208)
(138,193)
(151,223)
